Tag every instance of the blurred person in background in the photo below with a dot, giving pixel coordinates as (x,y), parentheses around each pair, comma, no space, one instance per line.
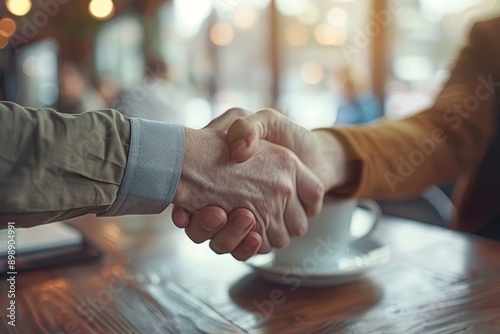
(110,90)
(359,105)
(156,98)
(76,93)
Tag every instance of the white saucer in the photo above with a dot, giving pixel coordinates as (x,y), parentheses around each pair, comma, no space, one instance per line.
(363,255)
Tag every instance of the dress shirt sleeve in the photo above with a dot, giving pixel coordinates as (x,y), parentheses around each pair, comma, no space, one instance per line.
(153,169)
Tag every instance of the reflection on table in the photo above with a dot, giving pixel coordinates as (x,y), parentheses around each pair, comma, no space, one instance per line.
(153,279)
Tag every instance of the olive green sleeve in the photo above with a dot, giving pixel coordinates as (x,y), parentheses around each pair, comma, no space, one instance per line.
(56,166)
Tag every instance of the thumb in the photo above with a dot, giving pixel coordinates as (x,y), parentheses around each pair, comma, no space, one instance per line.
(243,138)
(244,134)
(225,120)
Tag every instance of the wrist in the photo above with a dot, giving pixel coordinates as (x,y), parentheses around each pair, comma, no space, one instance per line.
(182,193)
(203,151)
(331,167)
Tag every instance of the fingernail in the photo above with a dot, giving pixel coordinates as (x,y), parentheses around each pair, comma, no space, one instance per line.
(242,223)
(240,146)
(210,222)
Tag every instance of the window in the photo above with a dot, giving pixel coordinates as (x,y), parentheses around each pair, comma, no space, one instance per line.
(37,74)
(118,51)
(426,37)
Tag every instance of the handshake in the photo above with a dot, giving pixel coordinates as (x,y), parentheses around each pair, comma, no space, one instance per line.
(249,182)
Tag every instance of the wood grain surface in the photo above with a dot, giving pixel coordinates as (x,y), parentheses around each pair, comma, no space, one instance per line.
(153,279)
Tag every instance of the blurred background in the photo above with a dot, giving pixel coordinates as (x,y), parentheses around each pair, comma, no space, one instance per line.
(321,62)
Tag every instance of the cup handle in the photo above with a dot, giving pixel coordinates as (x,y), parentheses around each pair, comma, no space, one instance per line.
(377,212)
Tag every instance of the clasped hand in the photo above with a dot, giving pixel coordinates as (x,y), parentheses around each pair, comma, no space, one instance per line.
(247,195)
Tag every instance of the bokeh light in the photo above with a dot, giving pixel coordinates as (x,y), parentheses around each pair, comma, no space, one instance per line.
(311,72)
(327,35)
(244,16)
(101,9)
(29,66)
(413,67)
(310,15)
(7,27)
(337,17)
(259,3)
(4,40)
(189,16)
(221,34)
(198,113)
(18,7)
(48,93)
(291,7)
(296,34)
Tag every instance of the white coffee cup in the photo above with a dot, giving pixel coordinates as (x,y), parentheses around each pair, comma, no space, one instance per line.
(329,234)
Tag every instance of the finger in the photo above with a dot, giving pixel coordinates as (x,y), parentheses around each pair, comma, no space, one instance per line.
(266,247)
(295,217)
(205,223)
(244,134)
(229,237)
(243,138)
(226,119)
(277,233)
(180,217)
(310,190)
(248,246)
(260,228)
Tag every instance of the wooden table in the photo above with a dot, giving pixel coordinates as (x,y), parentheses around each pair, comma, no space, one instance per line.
(153,279)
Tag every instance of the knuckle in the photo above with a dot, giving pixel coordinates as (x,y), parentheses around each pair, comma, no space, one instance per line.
(285,156)
(303,229)
(270,113)
(319,192)
(288,190)
(299,230)
(238,112)
(239,123)
(273,123)
(316,204)
(285,189)
(281,243)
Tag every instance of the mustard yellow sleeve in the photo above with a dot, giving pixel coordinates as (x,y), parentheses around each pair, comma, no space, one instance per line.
(400,158)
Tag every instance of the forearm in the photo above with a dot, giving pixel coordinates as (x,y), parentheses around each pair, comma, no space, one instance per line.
(55,166)
(402,158)
(377,160)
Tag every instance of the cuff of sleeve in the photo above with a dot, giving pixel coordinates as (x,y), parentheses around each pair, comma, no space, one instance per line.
(153,168)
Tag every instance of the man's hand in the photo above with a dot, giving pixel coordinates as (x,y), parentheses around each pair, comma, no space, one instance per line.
(205,223)
(272,185)
(319,149)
